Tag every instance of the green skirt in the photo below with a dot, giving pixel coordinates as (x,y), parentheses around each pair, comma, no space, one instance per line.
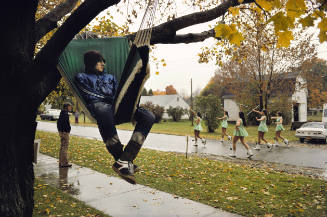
(241,132)
(279,127)
(224,124)
(263,128)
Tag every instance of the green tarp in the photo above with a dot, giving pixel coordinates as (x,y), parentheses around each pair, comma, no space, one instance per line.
(130,66)
(115,51)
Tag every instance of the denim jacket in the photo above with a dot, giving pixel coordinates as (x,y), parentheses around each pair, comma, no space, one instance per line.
(97,87)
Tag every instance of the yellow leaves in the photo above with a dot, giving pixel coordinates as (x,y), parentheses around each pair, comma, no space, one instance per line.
(267,5)
(234,11)
(307,21)
(323,30)
(295,8)
(282,22)
(229,32)
(284,38)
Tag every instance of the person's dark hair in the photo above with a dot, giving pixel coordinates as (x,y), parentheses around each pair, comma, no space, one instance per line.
(66,104)
(279,113)
(226,112)
(199,114)
(90,60)
(265,112)
(242,116)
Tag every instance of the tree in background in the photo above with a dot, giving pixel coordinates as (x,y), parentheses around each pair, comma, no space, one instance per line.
(157,110)
(30,71)
(257,65)
(210,108)
(170,90)
(144,92)
(159,92)
(315,73)
(150,93)
(176,112)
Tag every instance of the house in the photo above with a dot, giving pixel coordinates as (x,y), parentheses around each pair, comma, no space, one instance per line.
(298,96)
(166,101)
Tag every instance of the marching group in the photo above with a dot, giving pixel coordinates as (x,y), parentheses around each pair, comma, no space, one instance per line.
(240,132)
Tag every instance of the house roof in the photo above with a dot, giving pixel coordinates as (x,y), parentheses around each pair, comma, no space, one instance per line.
(164,100)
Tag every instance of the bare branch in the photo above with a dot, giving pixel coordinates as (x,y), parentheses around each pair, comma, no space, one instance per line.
(49,21)
(188,38)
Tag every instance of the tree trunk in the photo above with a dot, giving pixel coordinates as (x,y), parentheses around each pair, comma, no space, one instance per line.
(16,154)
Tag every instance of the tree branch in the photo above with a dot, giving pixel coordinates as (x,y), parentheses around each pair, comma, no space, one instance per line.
(166,32)
(49,21)
(187,38)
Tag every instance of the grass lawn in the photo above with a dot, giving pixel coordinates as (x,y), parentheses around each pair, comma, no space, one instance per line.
(49,201)
(232,187)
(184,128)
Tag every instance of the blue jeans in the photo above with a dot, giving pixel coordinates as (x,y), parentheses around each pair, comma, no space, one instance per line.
(104,114)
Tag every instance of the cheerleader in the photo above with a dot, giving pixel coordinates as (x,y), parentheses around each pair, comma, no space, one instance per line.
(224,126)
(279,128)
(239,134)
(262,129)
(198,128)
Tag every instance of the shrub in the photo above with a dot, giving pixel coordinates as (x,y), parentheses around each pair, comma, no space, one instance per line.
(210,108)
(155,109)
(176,112)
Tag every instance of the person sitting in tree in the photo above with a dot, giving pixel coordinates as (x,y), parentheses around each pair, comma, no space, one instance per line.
(98,89)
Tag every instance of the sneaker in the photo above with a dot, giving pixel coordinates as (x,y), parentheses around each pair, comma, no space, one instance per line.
(232,155)
(125,169)
(249,153)
(229,138)
(269,146)
(257,147)
(204,141)
(221,140)
(286,142)
(136,168)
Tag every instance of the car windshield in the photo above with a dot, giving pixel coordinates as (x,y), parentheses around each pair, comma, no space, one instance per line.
(314,125)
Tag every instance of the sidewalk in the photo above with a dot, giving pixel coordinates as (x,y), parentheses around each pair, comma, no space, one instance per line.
(297,156)
(116,197)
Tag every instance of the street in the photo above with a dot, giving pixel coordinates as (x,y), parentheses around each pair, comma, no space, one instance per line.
(298,156)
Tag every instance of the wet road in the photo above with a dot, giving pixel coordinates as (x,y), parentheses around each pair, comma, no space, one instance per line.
(298,156)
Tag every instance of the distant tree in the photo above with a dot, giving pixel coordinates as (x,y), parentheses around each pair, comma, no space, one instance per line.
(159,92)
(155,109)
(144,92)
(210,109)
(170,90)
(176,112)
(150,93)
(315,73)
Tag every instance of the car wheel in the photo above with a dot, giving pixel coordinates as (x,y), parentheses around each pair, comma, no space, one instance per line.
(302,140)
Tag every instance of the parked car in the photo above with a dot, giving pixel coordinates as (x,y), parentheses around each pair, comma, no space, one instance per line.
(50,114)
(312,130)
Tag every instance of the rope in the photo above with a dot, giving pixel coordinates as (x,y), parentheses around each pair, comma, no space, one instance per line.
(143,35)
